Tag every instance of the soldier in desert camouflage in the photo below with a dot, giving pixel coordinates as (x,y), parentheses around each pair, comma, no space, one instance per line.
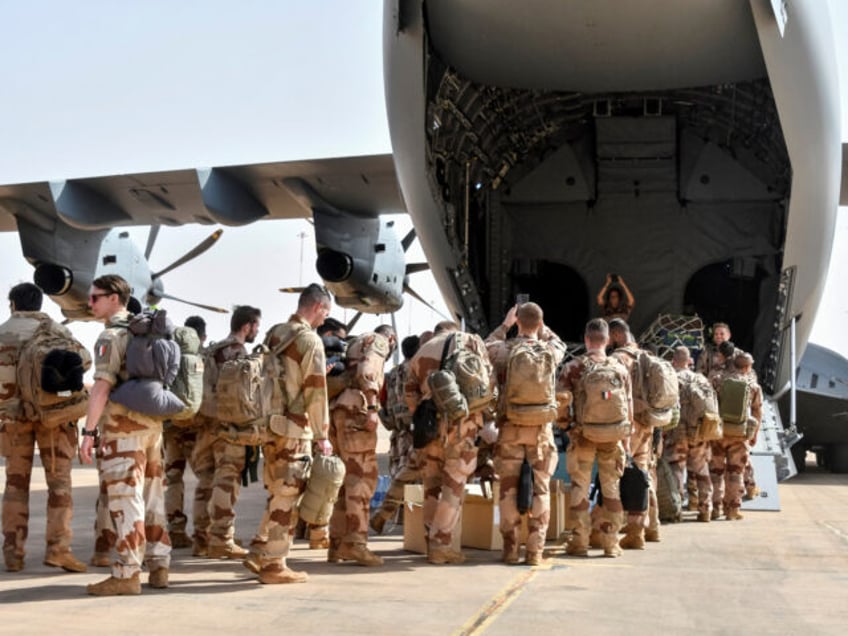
(353,432)
(131,450)
(291,437)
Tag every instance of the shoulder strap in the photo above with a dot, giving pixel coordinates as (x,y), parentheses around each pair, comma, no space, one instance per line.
(445,351)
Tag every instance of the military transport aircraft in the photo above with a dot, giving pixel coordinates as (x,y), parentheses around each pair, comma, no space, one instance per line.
(691,147)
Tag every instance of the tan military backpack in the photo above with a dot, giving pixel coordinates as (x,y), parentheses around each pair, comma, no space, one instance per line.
(50,372)
(529,389)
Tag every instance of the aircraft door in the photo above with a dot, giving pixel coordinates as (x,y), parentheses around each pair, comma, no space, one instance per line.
(727,292)
(561,293)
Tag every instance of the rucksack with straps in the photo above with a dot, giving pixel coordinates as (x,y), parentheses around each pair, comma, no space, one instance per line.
(655,381)
(734,400)
(188,385)
(601,401)
(529,389)
(472,374)
(249,389)
(699,407)
(49,376)
(152,364)
(444,387)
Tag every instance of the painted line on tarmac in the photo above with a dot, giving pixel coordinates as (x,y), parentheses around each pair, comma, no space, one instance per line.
(839,533)
(503,599)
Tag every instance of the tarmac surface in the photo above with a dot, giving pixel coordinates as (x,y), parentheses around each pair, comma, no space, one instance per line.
(770,573)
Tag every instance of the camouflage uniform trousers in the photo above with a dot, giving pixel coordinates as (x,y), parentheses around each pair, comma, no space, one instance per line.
(56,448)
(694,457)
(536,443)
(284,474)
(448,462)
(580,457)
(729,456)
(133,474)
(409,472)
(641,449)
(179,444)
(218,465)
(748,474)
(357,448)
(104,530)
(400,443)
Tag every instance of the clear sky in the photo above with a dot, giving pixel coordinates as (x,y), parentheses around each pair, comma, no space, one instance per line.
(103,87)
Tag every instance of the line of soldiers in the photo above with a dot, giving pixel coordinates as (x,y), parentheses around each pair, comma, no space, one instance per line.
(132,520)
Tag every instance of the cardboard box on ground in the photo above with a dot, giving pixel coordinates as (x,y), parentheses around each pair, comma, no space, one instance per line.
(479,521)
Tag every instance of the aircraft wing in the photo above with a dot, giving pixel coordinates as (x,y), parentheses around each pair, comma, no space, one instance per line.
(228,195)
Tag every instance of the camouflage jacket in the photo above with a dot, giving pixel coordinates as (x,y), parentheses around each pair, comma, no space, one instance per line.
(303,366)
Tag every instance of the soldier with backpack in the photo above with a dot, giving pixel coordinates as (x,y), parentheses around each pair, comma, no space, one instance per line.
(21,428)
(299,353)
(600,428)
(688,445)
(641,439)
(178,442)
(525,367)
(740,401)
(353,433)
(450,453)
(131,467)
(405,461)
(216,461)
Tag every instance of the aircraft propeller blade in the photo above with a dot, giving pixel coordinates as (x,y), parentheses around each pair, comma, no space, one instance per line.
(292,290)
(418,297)
(151,240)
(219,310)
(407,240)
(414,268)
(191,254)
(353,322)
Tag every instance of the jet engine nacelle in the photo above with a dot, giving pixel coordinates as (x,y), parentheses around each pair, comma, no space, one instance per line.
(361,260)
(54,280)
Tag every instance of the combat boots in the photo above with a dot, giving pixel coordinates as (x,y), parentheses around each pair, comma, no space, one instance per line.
(333,551)
(575,549)
(275,575)
(633,538)
(612,551)
(443,556)
(716,513)
(652,535)
(226,551)
(180,540)
(359,553)
(158,578)
(14,562)
(378,522)
(252,563)
(100,560)
(65,560)
(510,555)
(533,558)
(200,547)
(704,516)
(321,543)
(115,587)
(596,539)
(733,514)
